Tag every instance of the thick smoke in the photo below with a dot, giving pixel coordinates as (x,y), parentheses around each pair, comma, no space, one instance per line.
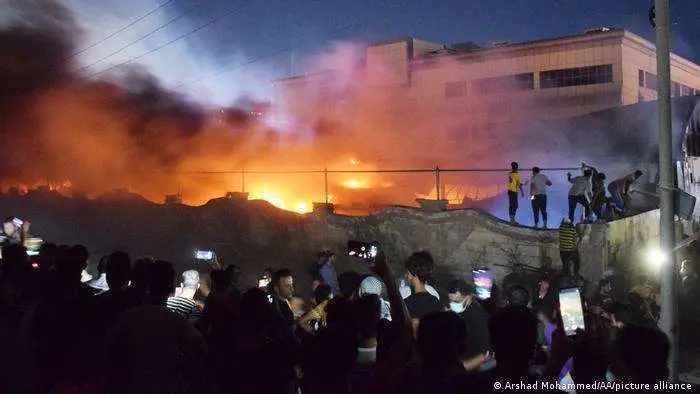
(127,130)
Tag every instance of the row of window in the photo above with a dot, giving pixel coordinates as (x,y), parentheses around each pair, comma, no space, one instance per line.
(650,81)
(578,76)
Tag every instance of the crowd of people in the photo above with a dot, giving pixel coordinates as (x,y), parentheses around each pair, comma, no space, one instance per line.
(587,190)
(139,327)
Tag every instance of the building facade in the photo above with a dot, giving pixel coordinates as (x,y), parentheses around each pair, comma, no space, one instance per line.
(553,78)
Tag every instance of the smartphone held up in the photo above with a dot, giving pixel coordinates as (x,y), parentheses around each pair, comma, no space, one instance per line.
(483,281)
(204,255)
(571,307)
(364,251)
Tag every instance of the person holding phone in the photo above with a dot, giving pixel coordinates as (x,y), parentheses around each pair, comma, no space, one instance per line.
(14,232)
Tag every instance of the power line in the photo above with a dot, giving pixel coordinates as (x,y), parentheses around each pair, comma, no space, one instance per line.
(269,55)
(125,27)
(143,37)
(178,38)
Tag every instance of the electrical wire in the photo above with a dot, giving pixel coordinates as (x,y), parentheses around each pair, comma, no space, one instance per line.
(178,38)
(125,27)
(141,38)
(263,57)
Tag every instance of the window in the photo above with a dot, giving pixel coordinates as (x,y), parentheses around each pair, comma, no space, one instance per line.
(507,83)
(455,89)
(650,81)
(686,90)
(580,76)
(641,78)
(676,89)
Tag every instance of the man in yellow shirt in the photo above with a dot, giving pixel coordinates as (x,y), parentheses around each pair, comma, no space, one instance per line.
(569,239)
(514,185)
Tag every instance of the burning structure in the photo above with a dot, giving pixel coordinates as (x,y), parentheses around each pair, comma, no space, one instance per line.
(406,105)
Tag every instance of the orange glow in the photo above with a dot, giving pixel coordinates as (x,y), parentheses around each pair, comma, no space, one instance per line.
(355,184)
(282,200)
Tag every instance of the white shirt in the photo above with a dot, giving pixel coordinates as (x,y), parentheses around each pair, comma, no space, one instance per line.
(581,186)
(538,184)
(406,292)
(100,283)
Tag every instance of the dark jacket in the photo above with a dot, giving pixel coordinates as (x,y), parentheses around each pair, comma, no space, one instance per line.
(478,337)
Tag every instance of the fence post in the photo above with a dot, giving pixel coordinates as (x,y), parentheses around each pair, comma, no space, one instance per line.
(437,182)
(242,181)
(325,183)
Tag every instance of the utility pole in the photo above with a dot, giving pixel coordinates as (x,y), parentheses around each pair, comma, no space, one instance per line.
(667,187)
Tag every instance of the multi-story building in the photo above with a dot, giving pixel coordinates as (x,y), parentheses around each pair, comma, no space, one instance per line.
(415,103)
(556,78)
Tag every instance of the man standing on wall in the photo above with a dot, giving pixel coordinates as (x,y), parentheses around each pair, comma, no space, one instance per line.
(538,190)
(580,193)
(513,186)
(598,184)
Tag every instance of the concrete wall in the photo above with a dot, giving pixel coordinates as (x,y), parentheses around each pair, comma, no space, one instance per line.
(255,235)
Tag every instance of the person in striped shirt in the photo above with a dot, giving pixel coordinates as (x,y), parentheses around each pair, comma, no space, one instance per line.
(568,246)
(183,302)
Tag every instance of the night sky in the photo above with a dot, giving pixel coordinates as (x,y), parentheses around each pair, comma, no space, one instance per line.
(254,40)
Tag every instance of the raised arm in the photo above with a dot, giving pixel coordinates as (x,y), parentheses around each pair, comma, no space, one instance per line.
(390,372)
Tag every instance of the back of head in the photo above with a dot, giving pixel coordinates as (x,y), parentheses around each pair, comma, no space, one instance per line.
(219,282)
(161,281)
(638,174)
(371,285)
(587,173)
(190,280)
(142,273)
(367,315)
(349,282)
(81,254)
(70,262)
(340,313)
(420,265)
(322,293)
(118,270)
(644,351)
(518,295)
(535,170)
(513,347)
(233,273)
(601,176)
(514,166)
(254,308)
(15,263)
(441,339)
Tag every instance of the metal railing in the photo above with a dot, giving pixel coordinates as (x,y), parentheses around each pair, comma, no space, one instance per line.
(439,174)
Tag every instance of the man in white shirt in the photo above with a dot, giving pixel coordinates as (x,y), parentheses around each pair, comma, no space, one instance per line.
(538,192)
(581,192)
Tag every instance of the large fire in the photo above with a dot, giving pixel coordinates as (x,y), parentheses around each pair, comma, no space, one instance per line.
(127,132)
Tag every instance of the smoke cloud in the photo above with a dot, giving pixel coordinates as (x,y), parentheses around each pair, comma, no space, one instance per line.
(131,128)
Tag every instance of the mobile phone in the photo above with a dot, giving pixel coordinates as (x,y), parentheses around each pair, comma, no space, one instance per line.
(483,281)
(363,250)
(204,255)
(571,307)
(264,282)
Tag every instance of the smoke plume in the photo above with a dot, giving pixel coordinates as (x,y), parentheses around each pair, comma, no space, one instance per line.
(126,129)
